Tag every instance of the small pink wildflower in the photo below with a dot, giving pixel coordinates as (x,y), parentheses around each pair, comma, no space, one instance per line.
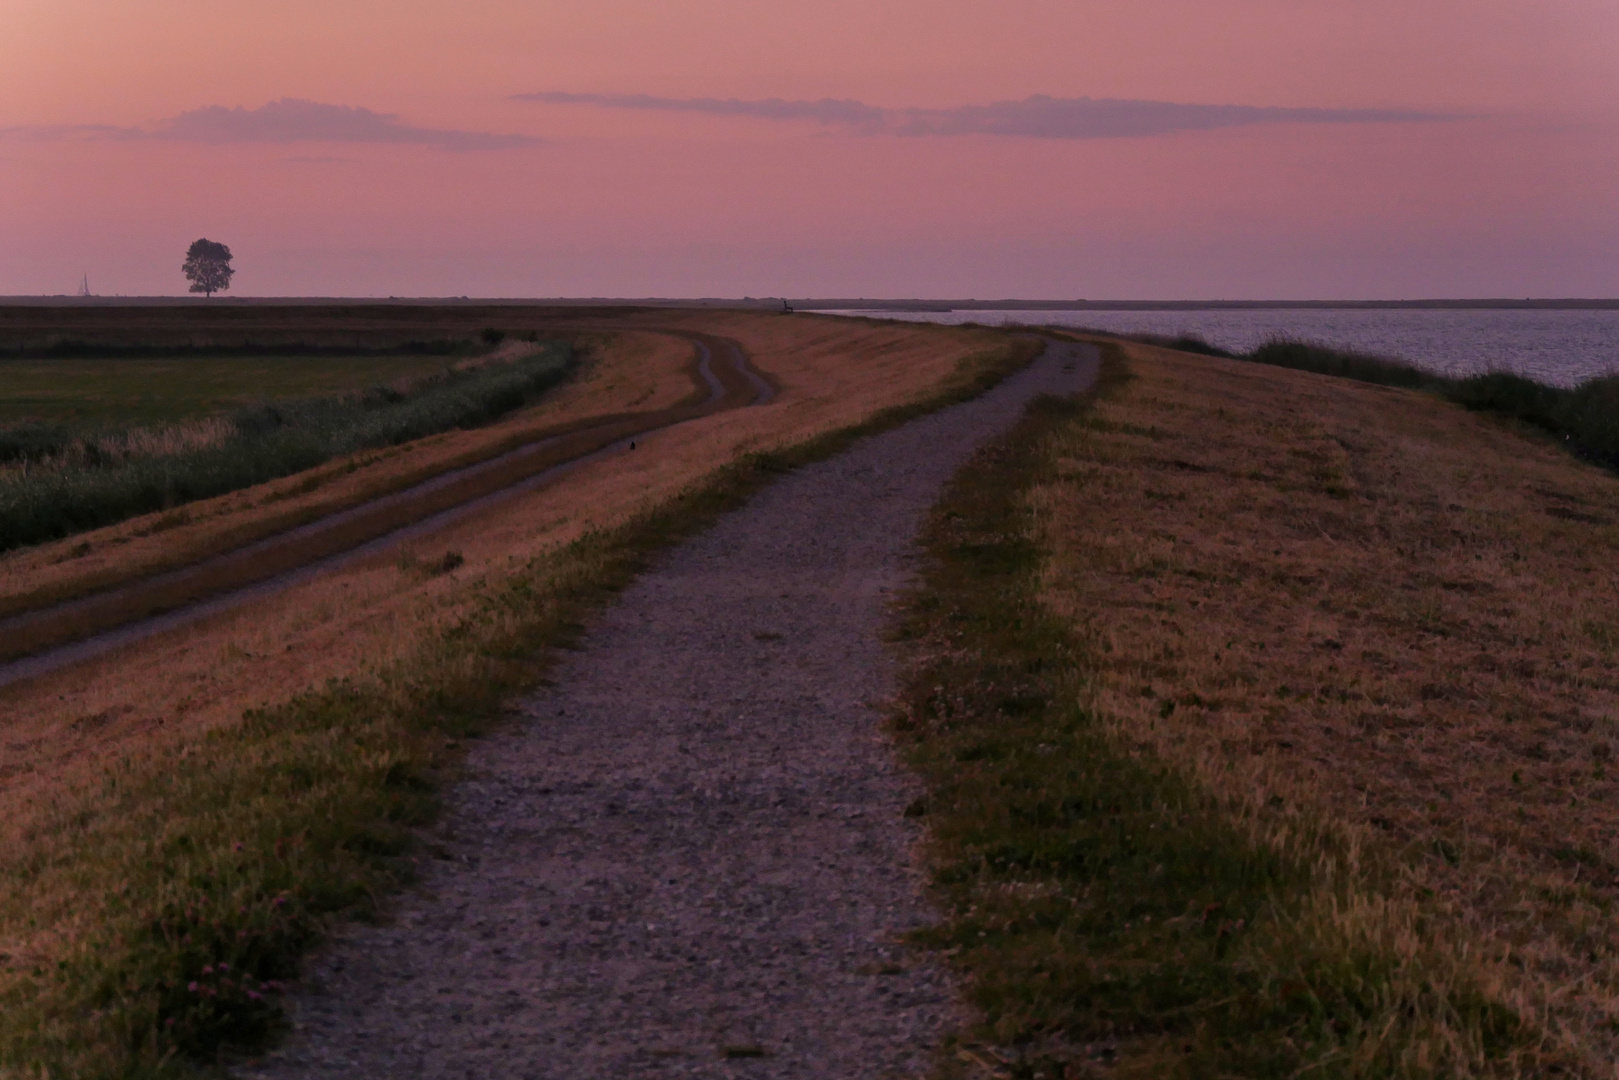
(192,987)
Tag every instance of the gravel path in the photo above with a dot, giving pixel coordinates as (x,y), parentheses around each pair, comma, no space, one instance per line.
(689,859)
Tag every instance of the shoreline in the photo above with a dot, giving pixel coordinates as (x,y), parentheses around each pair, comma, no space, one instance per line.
(825,303)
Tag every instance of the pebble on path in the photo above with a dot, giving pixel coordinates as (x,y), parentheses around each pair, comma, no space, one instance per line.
(689,857)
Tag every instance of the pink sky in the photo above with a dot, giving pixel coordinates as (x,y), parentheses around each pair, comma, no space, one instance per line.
(1459,147)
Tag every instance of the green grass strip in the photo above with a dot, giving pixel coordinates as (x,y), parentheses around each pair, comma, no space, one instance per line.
(206,875)
(1108,915)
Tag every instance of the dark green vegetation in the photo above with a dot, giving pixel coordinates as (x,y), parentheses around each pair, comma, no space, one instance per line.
(230,855)
(89,394)
(944,304)
(1112,915)
(88,481)
(228,326)
(208,267)
(1585,417)
(73,349)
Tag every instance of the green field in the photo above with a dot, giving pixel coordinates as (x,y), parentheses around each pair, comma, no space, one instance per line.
(115,393)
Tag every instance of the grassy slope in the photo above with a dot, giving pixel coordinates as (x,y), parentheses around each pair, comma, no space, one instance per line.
(238,845)
(1585,417)
(1267,722)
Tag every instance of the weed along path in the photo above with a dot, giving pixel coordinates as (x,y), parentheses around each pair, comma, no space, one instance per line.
(688,855)
(37,642)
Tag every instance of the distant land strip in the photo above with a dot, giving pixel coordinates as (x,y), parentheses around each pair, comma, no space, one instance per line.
(1186,305)
(816,304)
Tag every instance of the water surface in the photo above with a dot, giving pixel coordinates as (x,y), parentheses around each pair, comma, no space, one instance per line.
(1560,347)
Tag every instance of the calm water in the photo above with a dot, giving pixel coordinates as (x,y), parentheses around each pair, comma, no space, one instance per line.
(1558,347)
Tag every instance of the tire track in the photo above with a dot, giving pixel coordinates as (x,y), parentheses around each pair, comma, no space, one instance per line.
(68,633)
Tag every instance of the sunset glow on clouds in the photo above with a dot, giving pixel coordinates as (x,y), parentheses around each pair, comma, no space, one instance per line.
(1038,116)
(289,120)
(1164,148)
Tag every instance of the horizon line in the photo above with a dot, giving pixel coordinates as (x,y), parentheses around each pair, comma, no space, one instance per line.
(827,303)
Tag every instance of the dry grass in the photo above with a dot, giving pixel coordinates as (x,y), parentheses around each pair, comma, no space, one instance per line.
(1382,631)
(123,716)
(172,439)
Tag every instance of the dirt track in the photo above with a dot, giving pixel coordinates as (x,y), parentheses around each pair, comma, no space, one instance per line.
(689,857)
(67,633)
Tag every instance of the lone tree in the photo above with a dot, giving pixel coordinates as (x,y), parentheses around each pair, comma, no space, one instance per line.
(207,267)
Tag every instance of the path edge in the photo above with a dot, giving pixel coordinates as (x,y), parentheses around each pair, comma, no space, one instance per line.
(265,880)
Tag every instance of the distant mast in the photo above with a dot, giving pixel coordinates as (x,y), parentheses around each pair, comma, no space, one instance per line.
(84,286)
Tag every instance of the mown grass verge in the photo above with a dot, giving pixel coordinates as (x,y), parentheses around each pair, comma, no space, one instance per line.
(1110,913)
(208,872)
(257,444)
(1586,417)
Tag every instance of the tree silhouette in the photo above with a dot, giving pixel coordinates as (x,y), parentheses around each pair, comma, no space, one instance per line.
(207,267)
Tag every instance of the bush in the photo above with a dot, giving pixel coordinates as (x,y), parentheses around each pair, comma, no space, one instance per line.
(1593,418)
(1586,416)
(1512,395)
(1308,356)
(1186,342)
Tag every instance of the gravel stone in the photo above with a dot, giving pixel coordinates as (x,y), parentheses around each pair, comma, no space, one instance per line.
(689,856)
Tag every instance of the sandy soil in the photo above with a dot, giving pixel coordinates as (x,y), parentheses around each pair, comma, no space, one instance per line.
(690,858)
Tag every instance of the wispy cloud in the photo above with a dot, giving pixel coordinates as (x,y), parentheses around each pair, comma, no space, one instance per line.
(826,110)
(1039,116)
(75,132)
(290,120)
